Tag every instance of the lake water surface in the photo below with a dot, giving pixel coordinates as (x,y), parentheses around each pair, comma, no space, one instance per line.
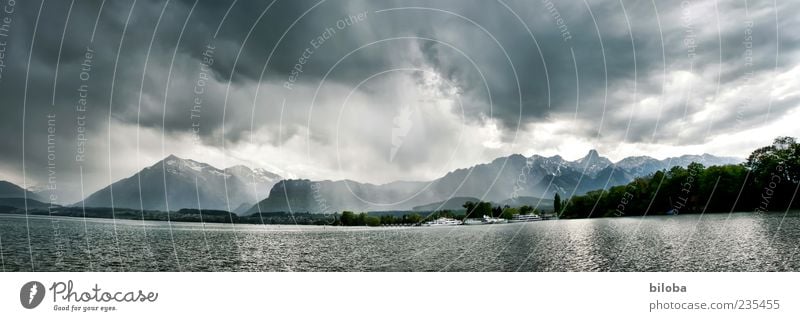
(712,242)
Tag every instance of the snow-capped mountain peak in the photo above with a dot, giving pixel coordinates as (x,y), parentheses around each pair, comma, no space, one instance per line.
(189,184)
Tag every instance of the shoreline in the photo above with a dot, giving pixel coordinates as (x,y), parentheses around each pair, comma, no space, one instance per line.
(128,220)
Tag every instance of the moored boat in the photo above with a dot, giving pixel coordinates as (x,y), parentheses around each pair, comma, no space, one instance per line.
(443,221)
(485,220)
(517,218)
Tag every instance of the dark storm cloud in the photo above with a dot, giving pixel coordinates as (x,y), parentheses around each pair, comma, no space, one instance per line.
(624,53)
(634,62)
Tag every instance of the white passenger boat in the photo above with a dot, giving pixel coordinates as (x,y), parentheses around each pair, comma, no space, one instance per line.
(443,221)
(517,218)
(484,220)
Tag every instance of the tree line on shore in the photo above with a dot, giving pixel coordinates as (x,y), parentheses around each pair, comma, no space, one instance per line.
(471,210)
(348,218)
(767,181)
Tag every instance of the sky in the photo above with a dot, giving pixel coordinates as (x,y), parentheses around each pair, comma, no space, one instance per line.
(377,91)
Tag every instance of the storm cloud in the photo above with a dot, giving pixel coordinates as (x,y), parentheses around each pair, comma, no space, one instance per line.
(384,90)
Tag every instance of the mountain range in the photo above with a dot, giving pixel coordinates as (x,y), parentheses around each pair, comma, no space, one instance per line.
(174,183)
(505,180)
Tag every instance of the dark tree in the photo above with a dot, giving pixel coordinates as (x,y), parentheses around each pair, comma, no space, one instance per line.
(470,207)
(373,221)
(766,182)
(497,211)
(348,218)
(483,209)
(361,219)
(557,203)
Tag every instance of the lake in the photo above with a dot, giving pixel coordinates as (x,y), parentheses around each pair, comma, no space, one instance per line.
(711,242)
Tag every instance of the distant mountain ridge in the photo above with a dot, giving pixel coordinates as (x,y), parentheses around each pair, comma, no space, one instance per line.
(189,184)
(514,180)
(504,180)
(11,190)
